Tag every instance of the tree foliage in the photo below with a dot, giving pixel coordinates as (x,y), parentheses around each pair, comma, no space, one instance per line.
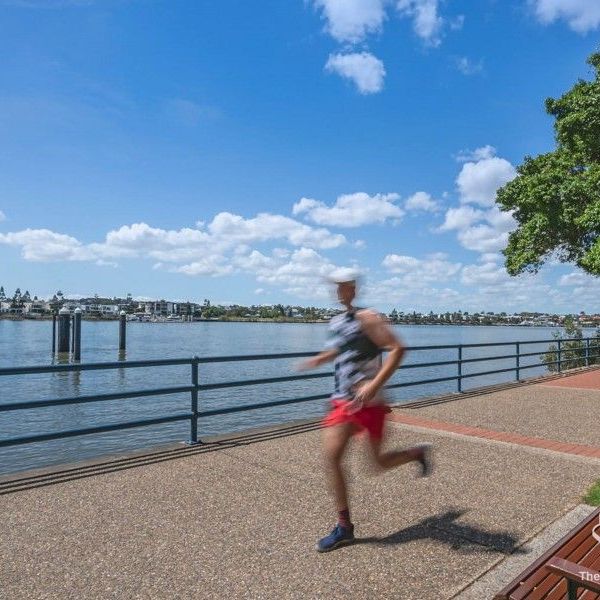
(555,197)
(574,351)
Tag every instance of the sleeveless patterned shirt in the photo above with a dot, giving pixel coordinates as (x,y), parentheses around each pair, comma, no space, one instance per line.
(358,358)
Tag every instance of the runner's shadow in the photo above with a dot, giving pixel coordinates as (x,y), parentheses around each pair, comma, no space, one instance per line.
(460,537)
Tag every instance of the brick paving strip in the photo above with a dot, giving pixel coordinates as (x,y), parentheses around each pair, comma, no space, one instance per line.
(496,436)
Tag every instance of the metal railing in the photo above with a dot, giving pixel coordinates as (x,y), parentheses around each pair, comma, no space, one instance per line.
(195,387)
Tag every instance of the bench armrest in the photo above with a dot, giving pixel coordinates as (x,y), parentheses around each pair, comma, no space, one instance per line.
(583,577)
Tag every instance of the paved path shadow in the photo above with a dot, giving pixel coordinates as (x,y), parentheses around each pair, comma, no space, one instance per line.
(460,537)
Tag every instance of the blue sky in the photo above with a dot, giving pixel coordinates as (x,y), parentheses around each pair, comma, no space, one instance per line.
(240,151)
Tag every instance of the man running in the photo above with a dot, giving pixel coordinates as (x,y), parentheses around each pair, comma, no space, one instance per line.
(358,337)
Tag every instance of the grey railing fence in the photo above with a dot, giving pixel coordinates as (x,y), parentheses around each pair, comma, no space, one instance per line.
(586,352)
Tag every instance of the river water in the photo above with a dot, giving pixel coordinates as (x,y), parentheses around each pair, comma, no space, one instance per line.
(29,343)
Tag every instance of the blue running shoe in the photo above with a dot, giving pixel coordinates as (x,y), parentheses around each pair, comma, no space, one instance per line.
(425,459)
(340,536)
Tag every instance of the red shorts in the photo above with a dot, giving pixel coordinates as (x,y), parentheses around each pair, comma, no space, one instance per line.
(369,418)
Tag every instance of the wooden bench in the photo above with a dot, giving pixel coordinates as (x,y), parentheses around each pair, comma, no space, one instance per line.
(569,570)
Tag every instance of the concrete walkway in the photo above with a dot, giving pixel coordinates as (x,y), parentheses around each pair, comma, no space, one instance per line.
(239,518)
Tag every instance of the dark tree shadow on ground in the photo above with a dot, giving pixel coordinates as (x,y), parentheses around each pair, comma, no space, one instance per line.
(460,537)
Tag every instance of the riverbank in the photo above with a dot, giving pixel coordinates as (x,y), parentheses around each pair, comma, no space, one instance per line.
(163,320)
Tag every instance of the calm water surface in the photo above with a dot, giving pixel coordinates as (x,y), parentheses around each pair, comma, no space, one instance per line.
(29,343)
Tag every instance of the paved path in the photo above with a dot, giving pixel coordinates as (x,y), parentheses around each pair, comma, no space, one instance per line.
(239,518)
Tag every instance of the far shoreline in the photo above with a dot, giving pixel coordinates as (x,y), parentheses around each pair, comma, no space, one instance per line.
(283,320)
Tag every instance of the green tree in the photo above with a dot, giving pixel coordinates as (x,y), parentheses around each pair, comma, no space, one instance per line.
(572,348)
(17,299)
(556,196)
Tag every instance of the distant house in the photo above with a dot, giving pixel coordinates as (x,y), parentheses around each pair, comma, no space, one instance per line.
(36,307)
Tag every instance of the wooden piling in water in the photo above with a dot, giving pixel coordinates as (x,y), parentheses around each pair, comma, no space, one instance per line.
(53,332)
(64,330)
(122,331)
(77,335)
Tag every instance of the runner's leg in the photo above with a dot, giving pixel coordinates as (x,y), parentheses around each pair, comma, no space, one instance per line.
(335,441)
(394,458)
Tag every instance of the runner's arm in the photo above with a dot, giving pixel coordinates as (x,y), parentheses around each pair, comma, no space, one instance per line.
(318,360)
(382,335)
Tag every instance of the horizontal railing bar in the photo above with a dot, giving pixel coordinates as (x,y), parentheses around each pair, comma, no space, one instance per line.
(480,373)
(540,365)
(423,382)
(234,409)
(96,398)
(130,364)
(101,429)
(440,363)
(244,357)
(233,358)
(244,382)
(482,359)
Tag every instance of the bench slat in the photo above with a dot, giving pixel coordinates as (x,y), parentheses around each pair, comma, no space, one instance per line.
(572,539)
(591,563)
(575,572)
(548,580)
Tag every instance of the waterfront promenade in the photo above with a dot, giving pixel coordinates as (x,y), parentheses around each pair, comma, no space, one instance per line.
(239,517)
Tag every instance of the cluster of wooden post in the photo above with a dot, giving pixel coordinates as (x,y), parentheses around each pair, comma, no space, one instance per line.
(68,338)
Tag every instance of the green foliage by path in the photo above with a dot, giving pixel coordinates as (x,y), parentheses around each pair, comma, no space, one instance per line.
(574,350)
(556,196)
(593,495)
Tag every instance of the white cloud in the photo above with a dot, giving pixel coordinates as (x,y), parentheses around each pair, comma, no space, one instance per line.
(351,210)
(467,66)
(41,245)
(483,238)
(581,15)
(362,68)
(476,155)
(500,220)
(417,271)
(204,251)
(209,265)
(427,23)
(302,273)
(481,231)
(488,257)
(421,201)
(478,181)
(576,278)
(230,228)
(486,274)
(352,20)
(457,22)
(460,218)
(401,293)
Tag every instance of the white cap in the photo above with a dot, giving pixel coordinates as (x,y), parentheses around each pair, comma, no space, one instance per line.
(344,275)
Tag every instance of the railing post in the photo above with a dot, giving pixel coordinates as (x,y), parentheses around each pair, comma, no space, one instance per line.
(559,356)
(587,352)
(460,349)
(194,420)
(518,360)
